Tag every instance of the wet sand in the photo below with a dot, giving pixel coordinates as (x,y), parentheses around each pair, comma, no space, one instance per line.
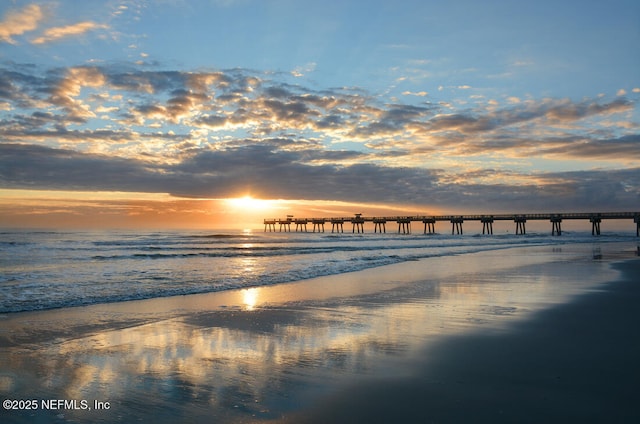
(574,363)
(542,334)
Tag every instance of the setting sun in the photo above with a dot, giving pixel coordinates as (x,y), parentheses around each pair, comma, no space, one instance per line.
(250,203)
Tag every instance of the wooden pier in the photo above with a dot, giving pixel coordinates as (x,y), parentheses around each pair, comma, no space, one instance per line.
(404,222)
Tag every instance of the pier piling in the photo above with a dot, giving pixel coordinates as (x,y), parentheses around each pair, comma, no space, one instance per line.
(358,223)
(556,229)
(301,224)
(286,225)
(319,224)
(595,225)
(337,225)
(520,225)
(379,224)
(404,225)
(456,225)
(487,224)
(430,224)
(269,224)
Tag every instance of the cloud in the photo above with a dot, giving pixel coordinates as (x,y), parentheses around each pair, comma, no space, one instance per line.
(567,110)
(301,71)
(394,119)
(419,93)
(19,22)
(26,166)
(626,147)
(214,133)
(66,90)
(209,173)
(241,100)
(280,174)
(513,128)
(56,33)
(20,87)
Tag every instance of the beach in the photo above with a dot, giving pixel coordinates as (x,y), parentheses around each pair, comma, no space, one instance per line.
(576,362)
(518,334)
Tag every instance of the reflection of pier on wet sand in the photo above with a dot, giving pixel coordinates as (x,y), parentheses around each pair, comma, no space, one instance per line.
(404,222)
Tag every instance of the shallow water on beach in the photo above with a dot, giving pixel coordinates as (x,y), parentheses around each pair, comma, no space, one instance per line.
(46,270)
(275,350)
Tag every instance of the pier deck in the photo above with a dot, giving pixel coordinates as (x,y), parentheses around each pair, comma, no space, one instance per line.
(429,221)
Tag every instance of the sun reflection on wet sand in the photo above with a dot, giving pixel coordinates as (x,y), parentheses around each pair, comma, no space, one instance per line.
(250,298)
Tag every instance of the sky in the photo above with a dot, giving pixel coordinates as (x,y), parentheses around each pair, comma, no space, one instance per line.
(219,113)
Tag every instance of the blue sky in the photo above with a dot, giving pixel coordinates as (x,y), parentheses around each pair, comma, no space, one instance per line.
(459,105)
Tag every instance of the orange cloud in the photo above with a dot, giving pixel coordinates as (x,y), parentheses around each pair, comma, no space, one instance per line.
(19,22)
(56,33)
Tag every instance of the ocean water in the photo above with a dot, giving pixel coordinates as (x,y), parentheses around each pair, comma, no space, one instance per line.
(57,269)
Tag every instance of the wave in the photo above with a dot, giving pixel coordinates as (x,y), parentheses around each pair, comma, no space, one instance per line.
(160,265)
(171,252)
(35,296)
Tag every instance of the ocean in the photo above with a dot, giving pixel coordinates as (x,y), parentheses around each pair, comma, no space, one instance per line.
(42,270)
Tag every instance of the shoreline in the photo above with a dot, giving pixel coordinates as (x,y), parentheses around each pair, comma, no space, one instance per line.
(37,326)
(287,351)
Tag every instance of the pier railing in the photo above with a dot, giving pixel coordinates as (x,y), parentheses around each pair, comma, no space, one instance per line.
(429,221)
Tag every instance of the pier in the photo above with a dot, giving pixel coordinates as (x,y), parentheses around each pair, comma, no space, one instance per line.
(404,222)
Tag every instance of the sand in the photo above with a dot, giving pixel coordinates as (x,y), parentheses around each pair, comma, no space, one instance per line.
(542,334)
(574,363)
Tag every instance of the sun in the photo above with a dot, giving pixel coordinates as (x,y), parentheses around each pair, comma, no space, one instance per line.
(249,203)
